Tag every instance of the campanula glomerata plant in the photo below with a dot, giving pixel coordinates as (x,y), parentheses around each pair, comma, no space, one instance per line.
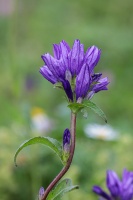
(73,71)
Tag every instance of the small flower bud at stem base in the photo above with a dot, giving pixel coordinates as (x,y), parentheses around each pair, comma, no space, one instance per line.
(41,193)
(66,138)
(66,145)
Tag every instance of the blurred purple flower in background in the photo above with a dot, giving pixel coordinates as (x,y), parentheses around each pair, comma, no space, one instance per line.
(6,7)
(74,69)
(119,189)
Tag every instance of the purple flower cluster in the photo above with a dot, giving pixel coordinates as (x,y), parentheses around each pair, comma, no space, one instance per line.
(119,189)
(74,69)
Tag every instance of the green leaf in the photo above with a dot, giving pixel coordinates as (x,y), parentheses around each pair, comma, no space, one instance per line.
(50,142)
(93,106)
(61,188)
(76,107)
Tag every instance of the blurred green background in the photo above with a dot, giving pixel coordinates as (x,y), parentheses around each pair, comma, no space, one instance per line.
(27,30)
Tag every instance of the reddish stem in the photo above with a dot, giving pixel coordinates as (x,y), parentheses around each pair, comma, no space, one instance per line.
(64,169)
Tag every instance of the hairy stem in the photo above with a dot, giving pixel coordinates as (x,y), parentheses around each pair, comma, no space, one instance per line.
(72,148)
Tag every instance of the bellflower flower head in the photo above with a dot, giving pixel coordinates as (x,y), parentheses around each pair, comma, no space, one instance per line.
(119,189)
(74,69)
(66,140)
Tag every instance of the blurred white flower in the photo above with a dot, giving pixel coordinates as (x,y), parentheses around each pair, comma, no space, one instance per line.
(103,132)
(40,121)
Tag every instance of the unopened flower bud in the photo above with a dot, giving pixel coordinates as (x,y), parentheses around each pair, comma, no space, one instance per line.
(66,140)
(41,193)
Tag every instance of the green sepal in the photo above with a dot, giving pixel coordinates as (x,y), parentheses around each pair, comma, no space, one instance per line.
(58,85)
(65,156)
(50,142)
(76,107)
(61,188)
(95,108)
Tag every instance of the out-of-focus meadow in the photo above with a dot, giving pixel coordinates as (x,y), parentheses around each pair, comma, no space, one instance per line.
(30,106)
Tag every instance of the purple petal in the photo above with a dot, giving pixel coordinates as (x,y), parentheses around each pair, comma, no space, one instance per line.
(54,66)
(127,185)
(101,192)
(65,49)
(126,174)
(101,85)
(96,77)
(127,193)
(61,52)
(56,51)
(82,82)
(129,182)
(81,58)
(68,90)
(113,183)
(92,57)
(48,74)
(75,57)
(51,64)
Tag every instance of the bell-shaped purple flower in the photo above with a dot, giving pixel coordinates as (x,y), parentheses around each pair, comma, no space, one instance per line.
(101,192)
(76,57)
(92,57)
(48,74)
(97,84)
(54,66)
(127,185)
(100,85)
(113,183)
(119,189)
(61,51)
(96,77)
(82,81)
(67,88)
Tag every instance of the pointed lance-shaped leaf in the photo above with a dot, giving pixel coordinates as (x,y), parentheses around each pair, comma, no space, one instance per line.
(50,142)
(61,188)
(95,108)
